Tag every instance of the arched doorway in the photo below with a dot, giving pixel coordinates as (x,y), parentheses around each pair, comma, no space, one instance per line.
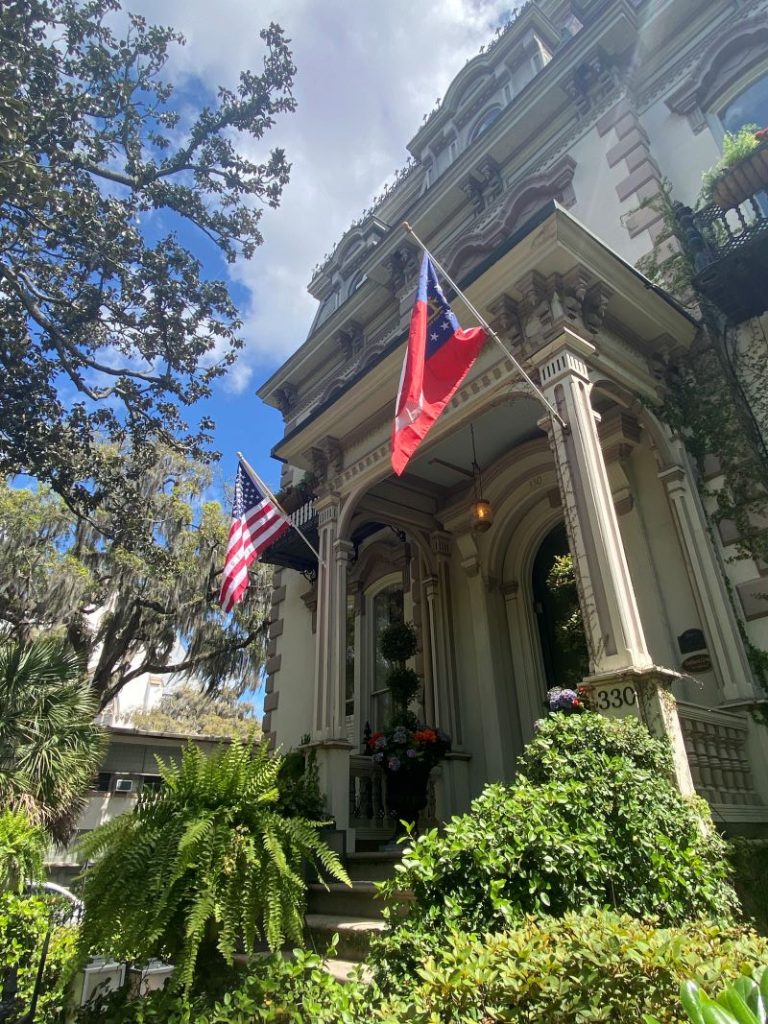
(556,601)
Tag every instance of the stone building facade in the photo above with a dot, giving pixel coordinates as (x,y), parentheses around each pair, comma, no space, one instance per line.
(530,182)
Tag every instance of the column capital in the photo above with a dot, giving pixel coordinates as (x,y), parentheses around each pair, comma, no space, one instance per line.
(565,354)
(344,549)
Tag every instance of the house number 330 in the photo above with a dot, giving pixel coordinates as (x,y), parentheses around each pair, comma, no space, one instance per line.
(616,697)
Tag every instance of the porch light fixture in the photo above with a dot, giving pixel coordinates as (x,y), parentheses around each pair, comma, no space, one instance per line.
(480,510)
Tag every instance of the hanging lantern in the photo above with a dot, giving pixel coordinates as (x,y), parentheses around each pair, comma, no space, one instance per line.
(480,509)
(482,515)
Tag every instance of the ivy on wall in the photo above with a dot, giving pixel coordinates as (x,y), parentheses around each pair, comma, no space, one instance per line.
(716,400)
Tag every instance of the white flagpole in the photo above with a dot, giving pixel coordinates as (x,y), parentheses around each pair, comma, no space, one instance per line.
(257,480)
(484,323)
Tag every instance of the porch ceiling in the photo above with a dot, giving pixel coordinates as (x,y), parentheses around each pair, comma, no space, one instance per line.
(497,430)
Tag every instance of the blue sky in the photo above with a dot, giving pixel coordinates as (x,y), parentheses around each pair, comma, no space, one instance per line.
(367,73)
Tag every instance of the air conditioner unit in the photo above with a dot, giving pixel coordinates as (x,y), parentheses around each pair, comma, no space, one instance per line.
(98,978)
(124,785)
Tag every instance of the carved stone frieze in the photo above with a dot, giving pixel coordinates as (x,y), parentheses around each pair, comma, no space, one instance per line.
(546,304)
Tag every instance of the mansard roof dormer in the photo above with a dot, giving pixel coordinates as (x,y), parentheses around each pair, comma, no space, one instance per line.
(489,81)
(348,255)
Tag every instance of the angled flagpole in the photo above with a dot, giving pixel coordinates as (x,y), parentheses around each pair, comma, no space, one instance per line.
(484,323)
(265,490)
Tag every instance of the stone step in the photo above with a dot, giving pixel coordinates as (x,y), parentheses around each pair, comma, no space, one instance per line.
(374,866)
(354,934)
(342,969)
(359,901)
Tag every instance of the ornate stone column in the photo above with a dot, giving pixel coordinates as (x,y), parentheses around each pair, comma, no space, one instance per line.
(453,788)
(718,616)
(611,617)
(329,739)
(624,680)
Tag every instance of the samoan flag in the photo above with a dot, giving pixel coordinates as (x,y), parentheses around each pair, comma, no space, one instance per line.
(438,358)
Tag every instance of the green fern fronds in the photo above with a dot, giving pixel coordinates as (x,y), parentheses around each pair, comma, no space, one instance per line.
(202,865)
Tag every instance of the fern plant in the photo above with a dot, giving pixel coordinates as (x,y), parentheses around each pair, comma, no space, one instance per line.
(201,865)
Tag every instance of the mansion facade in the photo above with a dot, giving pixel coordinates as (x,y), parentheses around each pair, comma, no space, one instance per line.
(533,182)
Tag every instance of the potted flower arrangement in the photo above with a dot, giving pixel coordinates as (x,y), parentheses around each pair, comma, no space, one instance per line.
(742,171)
(406,751)
(563,700)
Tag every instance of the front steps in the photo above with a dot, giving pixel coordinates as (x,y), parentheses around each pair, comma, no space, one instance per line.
(355,914)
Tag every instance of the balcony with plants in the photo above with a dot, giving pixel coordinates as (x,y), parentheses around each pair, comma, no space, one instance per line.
(727,234)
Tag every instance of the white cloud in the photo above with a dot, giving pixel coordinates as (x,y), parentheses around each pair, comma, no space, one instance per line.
(367,73)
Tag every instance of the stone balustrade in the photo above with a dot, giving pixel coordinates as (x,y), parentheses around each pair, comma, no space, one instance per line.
(716,744)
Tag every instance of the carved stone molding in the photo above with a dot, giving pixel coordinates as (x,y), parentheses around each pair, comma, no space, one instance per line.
(326,457)
(350,339)
(519,200)
(620,434)
(546,304)
(484,184)
(402,265)
(592,82)
(724,60)
(286,397)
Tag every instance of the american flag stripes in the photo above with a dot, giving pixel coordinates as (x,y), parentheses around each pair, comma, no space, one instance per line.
(256,523)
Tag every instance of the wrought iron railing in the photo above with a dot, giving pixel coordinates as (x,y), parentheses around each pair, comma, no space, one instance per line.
(729,251)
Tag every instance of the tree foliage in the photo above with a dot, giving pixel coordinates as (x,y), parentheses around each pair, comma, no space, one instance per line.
(214,861)
(22,849)
(50,747)
(107,320)
(188,710)
(123,596)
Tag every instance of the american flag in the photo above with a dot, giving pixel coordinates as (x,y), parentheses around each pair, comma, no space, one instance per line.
(256,523)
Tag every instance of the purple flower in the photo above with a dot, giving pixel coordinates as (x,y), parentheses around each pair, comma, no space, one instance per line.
(410,752)
(381,742)
(400,735)
(378,757)
(565,699)
(393,764)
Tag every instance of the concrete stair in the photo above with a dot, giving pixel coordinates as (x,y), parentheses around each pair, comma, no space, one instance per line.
(354,914)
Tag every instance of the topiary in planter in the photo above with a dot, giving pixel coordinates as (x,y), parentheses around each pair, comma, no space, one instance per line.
(398,642)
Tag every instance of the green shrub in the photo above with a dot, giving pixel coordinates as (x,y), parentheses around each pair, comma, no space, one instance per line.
(591,967)
(749,863)
(592,820)
(272,990)
(594,966)
(298,786)
(201,865)
(23,925)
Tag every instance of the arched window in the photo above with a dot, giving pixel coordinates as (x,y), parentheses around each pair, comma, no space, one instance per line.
(750,106)
(358,280)
(485,122)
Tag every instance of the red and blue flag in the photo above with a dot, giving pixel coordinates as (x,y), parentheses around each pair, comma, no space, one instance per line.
(439,356)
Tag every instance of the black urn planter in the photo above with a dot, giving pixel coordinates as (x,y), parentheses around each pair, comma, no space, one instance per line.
(407,792)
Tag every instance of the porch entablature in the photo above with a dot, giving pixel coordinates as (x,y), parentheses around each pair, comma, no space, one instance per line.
(552,275)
